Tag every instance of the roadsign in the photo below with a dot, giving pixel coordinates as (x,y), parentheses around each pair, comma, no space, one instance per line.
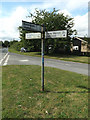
(30,26)
(49,34)
(33,36)
(41,35)
(56,34)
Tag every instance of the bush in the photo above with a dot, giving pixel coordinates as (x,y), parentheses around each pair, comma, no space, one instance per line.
(17,46)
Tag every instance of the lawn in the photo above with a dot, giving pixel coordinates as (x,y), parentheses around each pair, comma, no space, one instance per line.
(65,95)
(73,58)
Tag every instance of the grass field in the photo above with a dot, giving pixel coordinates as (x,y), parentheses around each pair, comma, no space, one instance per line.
(65,95)
(73,58)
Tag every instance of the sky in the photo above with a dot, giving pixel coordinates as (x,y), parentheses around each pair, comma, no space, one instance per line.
(12,14)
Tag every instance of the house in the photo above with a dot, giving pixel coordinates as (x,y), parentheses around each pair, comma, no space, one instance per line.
(80,46)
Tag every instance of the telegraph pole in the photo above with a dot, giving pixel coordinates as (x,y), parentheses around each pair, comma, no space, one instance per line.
(42,44)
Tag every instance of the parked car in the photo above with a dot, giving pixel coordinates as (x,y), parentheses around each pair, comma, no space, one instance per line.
(23,49)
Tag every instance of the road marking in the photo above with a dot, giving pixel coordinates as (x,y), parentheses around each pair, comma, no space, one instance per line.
(66,64)
(23,60)
(6,60)
(3,59)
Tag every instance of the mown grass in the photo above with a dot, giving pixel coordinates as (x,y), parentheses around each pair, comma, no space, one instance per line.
(73,58)
(65,95)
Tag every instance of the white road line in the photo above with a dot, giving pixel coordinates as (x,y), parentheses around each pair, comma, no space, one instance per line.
(23,60)
(6,60)
(3,58)
(67,64)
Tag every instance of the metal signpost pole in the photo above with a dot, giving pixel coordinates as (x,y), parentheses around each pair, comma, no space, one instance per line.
(50,34)
(42,71)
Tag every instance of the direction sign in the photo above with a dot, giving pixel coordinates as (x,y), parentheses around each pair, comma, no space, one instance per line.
(49,34)
(56,34)
(33,36)
(30,26)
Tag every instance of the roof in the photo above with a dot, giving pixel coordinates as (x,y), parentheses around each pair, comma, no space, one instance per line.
(81,39)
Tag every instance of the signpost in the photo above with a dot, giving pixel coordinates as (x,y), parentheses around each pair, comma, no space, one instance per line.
(49,34)
(41,35)
(33,36)
(30,26)
(56,34)
(42,38)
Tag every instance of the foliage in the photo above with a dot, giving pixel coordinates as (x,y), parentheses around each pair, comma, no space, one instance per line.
(6,44)
(31,45)
(1,44)
(17,46)
(9,43)
(12,42)
(52,21)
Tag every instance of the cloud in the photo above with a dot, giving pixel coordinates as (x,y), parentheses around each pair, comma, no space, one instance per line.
(0,9)
(76,4)
(65,12)
(89,19)
(69,5)
(20,0)
(81,24)
(10,24)
(61,4)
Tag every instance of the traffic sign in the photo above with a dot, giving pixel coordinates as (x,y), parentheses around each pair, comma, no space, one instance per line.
(56,34)
(33,36)
(30,26)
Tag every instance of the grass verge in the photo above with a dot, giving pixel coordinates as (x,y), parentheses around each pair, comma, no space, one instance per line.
(65,95)
(73,58)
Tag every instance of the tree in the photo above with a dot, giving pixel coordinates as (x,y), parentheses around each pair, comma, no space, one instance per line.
(6,44)
(1,44)
(52,21)
(16,45)
(12,42)
(31,45)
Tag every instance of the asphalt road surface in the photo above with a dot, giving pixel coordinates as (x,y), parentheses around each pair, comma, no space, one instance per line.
(16,59)
(3,52)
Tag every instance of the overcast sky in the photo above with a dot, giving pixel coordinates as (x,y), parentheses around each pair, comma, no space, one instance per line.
(12,14)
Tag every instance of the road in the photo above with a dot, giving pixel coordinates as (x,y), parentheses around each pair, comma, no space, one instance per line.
(3,54)
(16,59)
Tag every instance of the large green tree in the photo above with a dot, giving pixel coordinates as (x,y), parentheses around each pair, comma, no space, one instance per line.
(52,21)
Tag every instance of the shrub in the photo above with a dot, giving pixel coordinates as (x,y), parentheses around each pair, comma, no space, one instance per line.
(17,46)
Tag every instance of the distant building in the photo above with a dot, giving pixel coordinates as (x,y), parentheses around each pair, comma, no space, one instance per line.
(80,46)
